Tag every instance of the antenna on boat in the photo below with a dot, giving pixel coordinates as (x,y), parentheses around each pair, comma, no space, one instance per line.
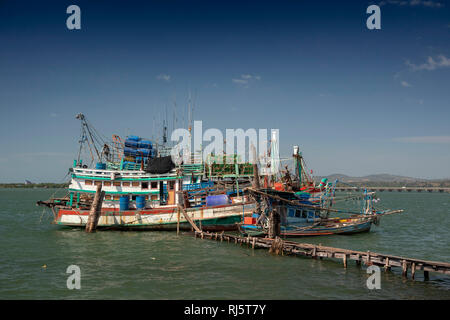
(189,114)
(165,129)
(174,122)
(89,135)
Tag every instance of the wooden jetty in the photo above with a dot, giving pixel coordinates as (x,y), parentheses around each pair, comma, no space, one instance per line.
(283,247)
(278,246)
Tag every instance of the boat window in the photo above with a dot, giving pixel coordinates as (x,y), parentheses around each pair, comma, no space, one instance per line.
(135,184)
(298,213)
(107,183)
(291,212)
(116,183)
(88,182)
(98,183)
(304,214)
(171,185)
(144,185)
(154,197)
(125,184)
(154,185)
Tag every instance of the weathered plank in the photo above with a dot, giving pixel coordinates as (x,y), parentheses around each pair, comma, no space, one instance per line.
(279,246)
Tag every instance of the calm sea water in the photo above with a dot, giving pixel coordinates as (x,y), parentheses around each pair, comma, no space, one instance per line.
(162,265)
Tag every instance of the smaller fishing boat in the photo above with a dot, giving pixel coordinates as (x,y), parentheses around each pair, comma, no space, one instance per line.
(300,217)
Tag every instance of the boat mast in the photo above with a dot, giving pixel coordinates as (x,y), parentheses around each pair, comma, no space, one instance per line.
(297,165)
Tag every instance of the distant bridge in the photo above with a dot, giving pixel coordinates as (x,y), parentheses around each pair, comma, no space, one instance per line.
(396,189)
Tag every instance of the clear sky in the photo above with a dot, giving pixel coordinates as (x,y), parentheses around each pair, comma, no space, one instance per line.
(356,101)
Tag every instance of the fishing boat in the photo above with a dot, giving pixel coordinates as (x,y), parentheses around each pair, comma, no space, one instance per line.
(300,217)
(143,189)
(304,208)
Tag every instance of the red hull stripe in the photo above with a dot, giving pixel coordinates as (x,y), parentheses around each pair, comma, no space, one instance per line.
(117,212)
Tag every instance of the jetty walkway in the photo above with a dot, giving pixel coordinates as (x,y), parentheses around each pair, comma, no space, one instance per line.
(284,247)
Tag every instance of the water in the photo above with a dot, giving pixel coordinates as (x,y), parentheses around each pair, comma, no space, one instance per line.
(162,265)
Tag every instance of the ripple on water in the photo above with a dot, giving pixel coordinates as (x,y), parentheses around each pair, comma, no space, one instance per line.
(162,265)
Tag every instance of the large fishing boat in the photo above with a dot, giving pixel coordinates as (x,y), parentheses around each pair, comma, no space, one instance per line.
(144,189)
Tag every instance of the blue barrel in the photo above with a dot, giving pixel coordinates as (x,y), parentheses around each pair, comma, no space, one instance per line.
(129,151)
(131,143)
(140,202)
(217,200)
(144,152)
(124,203)
(135,138)
(145,144)
(100,165)
(303,195)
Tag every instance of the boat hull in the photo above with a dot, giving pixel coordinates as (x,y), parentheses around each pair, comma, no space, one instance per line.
(321,231)
(224,217)
(290,231)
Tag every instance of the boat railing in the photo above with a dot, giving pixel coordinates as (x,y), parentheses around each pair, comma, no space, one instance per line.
(118,174)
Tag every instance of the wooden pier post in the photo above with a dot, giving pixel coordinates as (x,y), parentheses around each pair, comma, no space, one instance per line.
(413,270)
(386,265)
(274,224)
(277,246)
(344,260)
(178,221)
(368,258)
(313,254)
(96,209)
(404,269)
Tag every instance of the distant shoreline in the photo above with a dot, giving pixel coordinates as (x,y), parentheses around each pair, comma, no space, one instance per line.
(371,184)
(33,185)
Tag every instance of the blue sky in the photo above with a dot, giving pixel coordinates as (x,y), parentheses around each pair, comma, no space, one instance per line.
(356,101)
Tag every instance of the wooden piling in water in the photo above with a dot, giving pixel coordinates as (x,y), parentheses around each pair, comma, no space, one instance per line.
(178,221)
(386,265)
(274,223)
(404,269)
(96,208)
(358,260)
